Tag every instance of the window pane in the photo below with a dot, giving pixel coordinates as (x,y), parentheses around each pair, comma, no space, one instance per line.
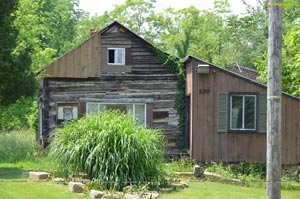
(120,57)
(92,108)
(125,108)
(111,56)
(250,112)
(236,112)
(140,113)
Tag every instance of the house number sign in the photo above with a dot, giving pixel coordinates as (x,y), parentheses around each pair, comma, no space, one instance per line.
(203,91)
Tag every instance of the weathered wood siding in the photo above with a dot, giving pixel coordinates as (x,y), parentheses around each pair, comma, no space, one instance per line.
(140,58)
(81,62)
(209,145)
(160,88)
(142,77)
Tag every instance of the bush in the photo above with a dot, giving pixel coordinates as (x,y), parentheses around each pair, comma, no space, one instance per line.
(111,148)
(17,146)
(19,115)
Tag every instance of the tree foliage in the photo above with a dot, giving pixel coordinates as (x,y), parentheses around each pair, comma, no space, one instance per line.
(290,51)
(16,78)
(32,33)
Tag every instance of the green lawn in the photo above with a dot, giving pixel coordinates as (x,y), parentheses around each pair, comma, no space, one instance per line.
(214,190)
(12,186)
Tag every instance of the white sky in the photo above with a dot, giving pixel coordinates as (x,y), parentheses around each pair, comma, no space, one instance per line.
(99,6)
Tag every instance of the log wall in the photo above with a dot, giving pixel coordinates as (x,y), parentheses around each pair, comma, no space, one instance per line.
(83,75)
(161,89)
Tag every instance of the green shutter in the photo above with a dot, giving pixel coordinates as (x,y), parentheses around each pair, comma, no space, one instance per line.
(222,112)
(262,113)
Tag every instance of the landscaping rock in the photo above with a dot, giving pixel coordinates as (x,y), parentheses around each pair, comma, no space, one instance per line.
(181,185)
(131,196)
(39,175)
(198,171)
(152,195)
(107,196)
(96,194)
(59,180)
(165,190)
(85,181)
(76,187)
(212,175)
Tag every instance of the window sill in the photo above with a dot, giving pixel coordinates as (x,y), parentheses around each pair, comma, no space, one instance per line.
(118,64)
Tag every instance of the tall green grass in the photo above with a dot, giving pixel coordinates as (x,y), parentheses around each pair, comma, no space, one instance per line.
(111,148)
(17,146)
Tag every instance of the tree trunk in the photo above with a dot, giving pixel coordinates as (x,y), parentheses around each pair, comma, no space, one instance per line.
(274,101)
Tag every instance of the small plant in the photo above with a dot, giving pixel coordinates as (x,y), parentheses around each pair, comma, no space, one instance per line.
(111,148)
(181,165)
(17,146)
(94,185)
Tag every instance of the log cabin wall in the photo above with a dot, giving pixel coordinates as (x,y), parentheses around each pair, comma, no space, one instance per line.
(208,144)
(142,78)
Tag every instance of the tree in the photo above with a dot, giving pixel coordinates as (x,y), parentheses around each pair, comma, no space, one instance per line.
(290,52)
(135,14)
(16,79)
(176,29)
(86,23)
(47,27)
(246,37)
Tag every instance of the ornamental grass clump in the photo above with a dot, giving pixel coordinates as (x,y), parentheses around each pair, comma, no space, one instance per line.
(111,148)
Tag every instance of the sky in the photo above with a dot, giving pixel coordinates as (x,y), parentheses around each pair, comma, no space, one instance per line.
(99,6)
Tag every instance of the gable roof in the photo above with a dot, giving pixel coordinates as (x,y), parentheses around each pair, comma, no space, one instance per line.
(189,57)
(93,36)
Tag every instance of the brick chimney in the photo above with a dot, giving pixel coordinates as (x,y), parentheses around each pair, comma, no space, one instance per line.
(93,31)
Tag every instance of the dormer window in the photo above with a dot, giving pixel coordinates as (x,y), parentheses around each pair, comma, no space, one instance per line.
(116,56)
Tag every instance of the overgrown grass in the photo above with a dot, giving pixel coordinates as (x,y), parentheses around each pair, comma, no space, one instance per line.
(17,146)
(111,148)
(251,175)
(180,165)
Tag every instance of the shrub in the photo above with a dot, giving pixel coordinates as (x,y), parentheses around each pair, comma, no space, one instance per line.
(17,146)
(111,148)
(181,165)
(19,115)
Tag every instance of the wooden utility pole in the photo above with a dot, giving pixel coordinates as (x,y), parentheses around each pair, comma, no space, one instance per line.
(274,101)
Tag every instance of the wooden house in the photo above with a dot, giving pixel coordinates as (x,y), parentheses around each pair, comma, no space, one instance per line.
(117,69)
(226,116)
(113,69)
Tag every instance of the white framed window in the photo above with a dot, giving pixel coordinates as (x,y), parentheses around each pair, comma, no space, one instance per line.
(138,110)
(67,112)
(243,112)
(116,56)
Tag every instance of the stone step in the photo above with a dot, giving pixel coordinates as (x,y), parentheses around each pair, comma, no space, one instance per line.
(39,175)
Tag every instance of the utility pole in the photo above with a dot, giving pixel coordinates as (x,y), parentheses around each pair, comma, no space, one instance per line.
(274,101)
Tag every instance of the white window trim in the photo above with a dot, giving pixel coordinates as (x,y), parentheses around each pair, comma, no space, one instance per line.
(133,108)
(123,58)
(243,114)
